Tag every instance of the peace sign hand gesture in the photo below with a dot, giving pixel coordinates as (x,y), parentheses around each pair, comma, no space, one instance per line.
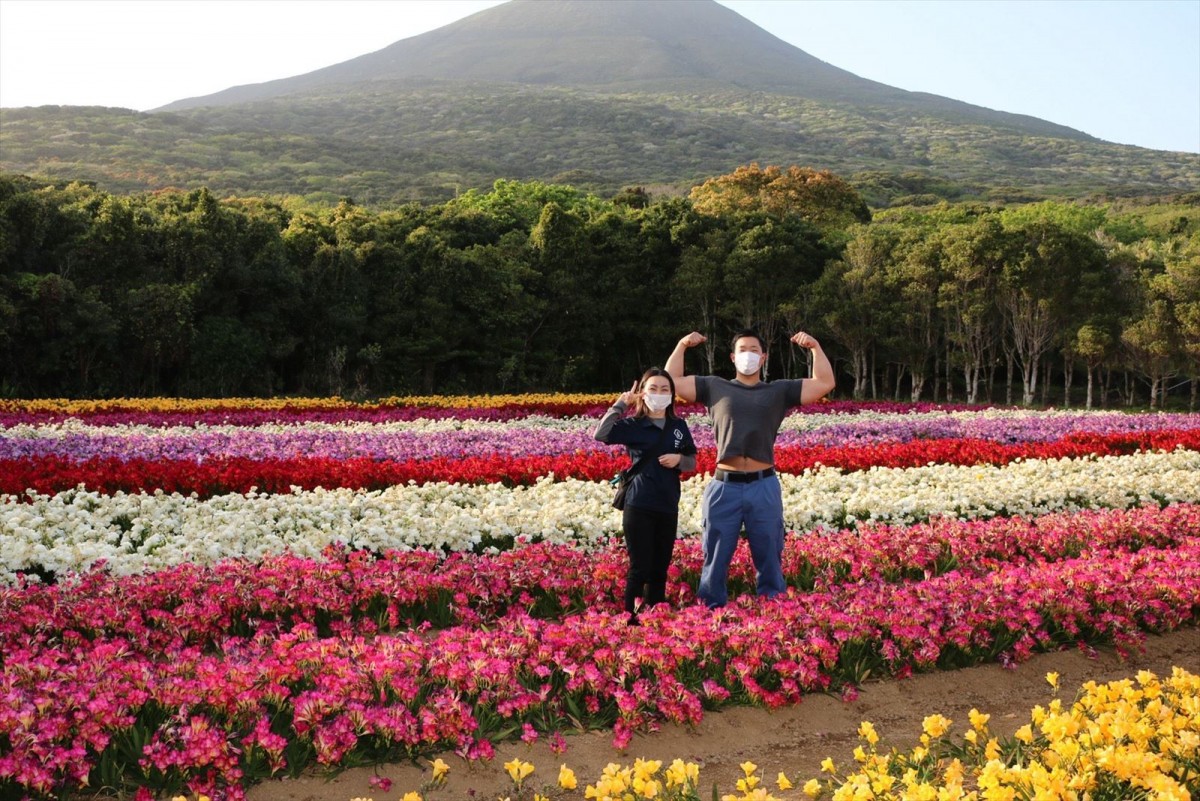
(631,396)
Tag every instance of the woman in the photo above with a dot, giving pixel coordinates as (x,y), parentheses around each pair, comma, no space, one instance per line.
(663,444)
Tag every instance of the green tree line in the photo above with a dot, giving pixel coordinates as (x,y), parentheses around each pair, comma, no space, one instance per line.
(541,286)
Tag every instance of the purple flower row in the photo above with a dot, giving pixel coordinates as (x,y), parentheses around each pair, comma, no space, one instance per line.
(1003,427)
(300,441)
(362,442)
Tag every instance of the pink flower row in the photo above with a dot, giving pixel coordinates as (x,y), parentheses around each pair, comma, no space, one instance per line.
(75,703)
(362,593)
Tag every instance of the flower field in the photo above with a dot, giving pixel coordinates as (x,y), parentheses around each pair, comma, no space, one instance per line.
(196,595)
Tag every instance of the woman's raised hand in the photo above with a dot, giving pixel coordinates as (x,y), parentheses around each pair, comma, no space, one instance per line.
(631,396)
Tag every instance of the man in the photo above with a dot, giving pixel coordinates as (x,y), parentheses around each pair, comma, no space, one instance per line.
(746,413)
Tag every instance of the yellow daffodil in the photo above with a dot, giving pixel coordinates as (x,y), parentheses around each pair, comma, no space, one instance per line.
(936,725)
(992,749)
(681,774)
(518,770)
(747,783)
(921,792)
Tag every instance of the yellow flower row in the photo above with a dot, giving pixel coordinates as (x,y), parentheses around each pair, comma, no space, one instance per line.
(67,406)
(1121,741)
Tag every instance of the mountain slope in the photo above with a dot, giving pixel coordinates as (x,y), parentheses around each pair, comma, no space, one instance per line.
(619,45)
(394,145)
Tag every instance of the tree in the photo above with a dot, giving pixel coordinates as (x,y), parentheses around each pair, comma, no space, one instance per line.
(974,256)
(854,293)
(818,197)
(914,276)
(564,322)
(1152,337)
(1095,345)
(163,323)
(1073,217)
(328,252)
(768,264)
(1182,285)
(1039,291)
(519,204)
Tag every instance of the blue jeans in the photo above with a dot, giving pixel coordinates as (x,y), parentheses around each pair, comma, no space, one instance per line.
(727,506)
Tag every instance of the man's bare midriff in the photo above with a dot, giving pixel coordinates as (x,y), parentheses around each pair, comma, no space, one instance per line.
(742,464)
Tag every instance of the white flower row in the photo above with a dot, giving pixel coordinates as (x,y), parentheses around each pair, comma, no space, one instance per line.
(796,421)
(72,530)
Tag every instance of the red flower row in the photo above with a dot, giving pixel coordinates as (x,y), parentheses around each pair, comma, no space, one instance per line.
(218,476)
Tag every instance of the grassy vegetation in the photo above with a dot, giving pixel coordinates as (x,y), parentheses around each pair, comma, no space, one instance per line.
(389,142)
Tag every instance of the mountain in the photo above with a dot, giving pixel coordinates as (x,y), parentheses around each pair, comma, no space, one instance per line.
(597,93)
(645,46)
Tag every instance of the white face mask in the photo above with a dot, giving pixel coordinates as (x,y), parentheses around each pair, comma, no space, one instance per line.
(656,403)
(747,362)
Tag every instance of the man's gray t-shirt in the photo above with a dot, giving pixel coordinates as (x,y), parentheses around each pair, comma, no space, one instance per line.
(747,418)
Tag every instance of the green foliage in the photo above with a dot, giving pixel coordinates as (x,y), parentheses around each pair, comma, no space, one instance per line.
(387,143)
(542,286)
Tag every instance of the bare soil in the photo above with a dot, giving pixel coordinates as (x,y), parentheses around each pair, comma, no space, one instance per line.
(794,740)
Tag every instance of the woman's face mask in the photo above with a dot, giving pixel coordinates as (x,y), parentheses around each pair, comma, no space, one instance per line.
(747,362)
(656,403)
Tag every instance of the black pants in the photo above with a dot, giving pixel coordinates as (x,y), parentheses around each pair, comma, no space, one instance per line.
(650,539)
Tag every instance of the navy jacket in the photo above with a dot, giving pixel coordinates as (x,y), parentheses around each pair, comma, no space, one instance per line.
(653,487)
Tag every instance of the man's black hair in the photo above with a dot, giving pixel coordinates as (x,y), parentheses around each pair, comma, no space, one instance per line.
(742,334)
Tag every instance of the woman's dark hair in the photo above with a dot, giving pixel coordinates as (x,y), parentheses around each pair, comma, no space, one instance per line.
(642,411)
(746,333)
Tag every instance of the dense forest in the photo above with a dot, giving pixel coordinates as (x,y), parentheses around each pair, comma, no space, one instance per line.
(531,285)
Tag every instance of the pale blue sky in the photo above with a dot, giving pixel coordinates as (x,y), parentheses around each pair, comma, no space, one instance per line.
(1126,71)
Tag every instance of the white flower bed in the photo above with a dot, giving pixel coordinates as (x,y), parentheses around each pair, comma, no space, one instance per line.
(72,530)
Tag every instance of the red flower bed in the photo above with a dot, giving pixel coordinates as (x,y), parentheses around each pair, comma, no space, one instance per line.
(218,476)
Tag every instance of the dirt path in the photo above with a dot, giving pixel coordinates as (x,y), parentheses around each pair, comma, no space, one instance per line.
(793,740)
